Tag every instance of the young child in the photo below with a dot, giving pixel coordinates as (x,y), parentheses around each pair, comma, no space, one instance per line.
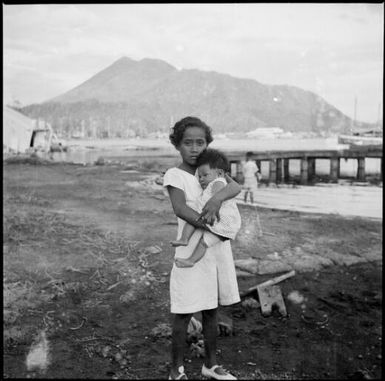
(213,279)
(251,174)
(212,166)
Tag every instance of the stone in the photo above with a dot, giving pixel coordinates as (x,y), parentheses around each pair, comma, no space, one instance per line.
(295,297)
(243,274)
(106,350)
(374,255)
(250,303)
(307,262)
(198,349)
(153,249)
(161,330)
(159,180)
(225,325)
(194,329)
(100,161)
(250,265)
(272,267)
(341,259)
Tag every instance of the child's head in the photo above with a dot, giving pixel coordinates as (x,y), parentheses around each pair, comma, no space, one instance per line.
(211,165)
(249,155)
(190,136)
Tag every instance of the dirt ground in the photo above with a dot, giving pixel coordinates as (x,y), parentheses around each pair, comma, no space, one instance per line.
(87,261)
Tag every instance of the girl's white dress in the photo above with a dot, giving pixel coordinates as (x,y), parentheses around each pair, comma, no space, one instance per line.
(230,219)
(212,280)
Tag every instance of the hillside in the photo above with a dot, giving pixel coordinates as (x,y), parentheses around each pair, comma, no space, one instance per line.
(138,97)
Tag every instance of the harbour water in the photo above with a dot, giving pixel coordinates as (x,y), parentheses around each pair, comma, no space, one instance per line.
(134,150)
(358,200)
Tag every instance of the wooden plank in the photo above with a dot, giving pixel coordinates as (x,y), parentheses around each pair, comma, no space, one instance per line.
(269,282)
(270,297)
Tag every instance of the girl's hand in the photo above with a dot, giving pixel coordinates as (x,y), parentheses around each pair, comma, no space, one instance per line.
(210,211)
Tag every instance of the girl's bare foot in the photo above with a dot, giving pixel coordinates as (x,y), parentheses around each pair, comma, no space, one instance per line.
(179,243)
(181,262)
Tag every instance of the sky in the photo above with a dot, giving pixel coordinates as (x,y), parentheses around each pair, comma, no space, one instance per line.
(334,50)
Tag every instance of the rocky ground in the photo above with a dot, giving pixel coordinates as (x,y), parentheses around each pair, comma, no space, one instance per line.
(86,266)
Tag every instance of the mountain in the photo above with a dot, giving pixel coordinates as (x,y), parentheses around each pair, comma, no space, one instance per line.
(139,97)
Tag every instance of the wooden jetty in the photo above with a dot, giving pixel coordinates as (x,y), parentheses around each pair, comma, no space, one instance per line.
(279,161)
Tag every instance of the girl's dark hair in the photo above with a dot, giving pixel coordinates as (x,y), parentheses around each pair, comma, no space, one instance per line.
(214,158)
(180,127)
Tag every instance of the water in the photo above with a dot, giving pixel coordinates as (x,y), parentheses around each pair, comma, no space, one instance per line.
(134,150)
(352,200)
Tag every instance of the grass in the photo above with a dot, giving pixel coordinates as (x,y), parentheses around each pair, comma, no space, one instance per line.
(47,258)
(26,159)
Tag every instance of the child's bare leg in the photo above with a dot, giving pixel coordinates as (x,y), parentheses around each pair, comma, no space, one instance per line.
(251,197)
(245,198)
(187,232)
(196,255)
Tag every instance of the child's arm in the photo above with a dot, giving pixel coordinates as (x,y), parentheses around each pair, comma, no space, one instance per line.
(217,186)
(181,210)
(211,210)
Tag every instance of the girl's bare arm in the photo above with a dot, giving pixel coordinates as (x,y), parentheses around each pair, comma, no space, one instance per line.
(181,210)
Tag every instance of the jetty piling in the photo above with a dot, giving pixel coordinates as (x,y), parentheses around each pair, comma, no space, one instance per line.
(279,171)
(334,168)
(304,171)
(361,169)
(311,168)
(279,162)
(286,174)
(272,171)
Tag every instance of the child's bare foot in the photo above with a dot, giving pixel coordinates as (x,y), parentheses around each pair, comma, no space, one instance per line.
(179,242)
(181,262)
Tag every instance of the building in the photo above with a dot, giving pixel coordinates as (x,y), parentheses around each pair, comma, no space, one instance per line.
(265,132)
(17,131)
(22,134)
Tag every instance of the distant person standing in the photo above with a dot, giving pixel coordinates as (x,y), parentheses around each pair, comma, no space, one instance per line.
(251,175)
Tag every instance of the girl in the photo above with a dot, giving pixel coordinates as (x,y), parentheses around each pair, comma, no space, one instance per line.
(213,278)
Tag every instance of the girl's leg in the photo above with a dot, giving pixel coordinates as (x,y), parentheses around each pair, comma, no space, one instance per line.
(187,232)
(209,324)
(252,197)
(179,332)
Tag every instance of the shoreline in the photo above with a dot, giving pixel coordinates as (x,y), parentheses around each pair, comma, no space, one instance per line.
(346,198)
